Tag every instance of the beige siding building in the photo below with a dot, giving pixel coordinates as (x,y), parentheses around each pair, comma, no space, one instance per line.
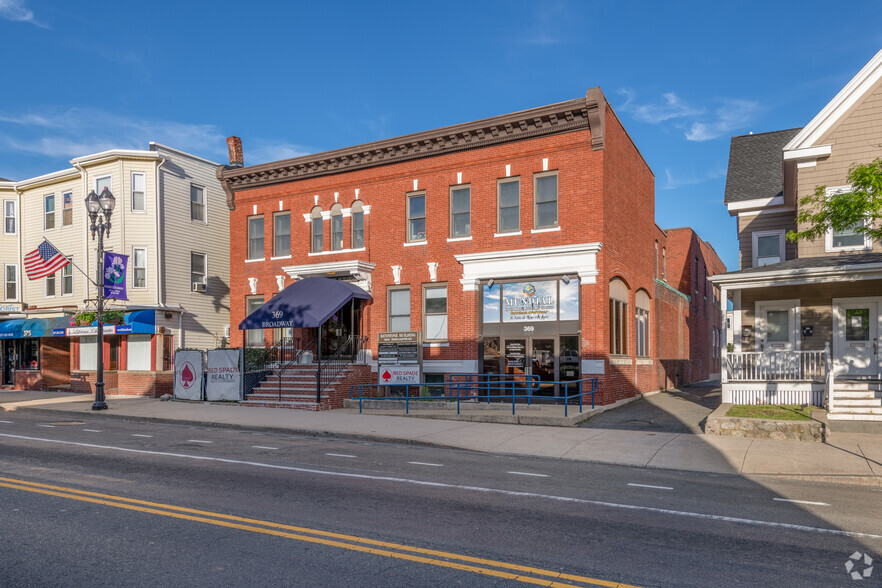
(806,318)
(170,218)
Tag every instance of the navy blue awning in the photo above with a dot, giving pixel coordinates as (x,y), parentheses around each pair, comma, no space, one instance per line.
(306,303)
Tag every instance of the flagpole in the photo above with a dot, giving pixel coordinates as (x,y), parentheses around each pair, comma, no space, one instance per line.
(94,283)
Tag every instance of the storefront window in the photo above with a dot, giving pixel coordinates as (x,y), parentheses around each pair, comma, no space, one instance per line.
(491,303)
(89,353)
(569,299)
(29,354)
(138,352)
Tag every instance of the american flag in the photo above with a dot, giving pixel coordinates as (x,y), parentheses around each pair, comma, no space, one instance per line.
(43,261)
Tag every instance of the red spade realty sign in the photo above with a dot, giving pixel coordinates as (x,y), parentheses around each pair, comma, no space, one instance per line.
(397,375)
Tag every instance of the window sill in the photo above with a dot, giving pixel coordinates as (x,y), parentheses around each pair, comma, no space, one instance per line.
(415,243)
(644,361)
(280,257)
(849,248)
(454,239)
(549,230)
(332,252)
(620,361)
(255,260)
(510,234)
(436,344)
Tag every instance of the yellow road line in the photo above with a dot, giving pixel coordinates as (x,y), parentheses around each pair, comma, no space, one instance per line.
(222,520)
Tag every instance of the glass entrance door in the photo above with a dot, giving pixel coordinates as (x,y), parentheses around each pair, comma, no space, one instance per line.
(543,364)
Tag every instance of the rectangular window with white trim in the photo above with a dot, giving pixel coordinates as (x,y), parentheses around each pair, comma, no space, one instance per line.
(255,237)
(138,352)
(10,275)
(460,211)
(197,204)
(416,217)
(197,271)
(768,247)
(49,212)
(139,203)
(67,209)
(399,309)
(545,200)
(139,267)
(509,198)
(845,238)
(9,217)
(67,278)
(435,312)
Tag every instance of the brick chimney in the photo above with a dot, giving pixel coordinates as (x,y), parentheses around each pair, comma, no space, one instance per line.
(234,145)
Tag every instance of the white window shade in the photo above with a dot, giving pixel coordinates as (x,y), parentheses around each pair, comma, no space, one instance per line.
(89,353)
(138,353)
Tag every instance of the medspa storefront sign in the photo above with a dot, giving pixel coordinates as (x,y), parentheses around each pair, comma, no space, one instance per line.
(529,301)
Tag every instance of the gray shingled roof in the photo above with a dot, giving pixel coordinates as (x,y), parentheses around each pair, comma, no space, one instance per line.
(827,261)
(4,180)
(755,166)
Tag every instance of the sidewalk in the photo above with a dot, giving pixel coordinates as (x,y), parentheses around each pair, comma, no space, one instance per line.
(849,457)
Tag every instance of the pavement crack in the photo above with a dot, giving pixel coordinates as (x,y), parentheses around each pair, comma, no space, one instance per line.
(665,444)
(744,459)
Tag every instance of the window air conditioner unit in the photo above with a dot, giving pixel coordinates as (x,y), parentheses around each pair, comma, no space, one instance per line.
(226,331)
(198,287)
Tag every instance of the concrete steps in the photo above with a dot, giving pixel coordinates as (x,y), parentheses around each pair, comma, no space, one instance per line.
(297,387)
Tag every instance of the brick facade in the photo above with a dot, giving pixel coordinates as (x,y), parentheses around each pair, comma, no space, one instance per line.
(605,199)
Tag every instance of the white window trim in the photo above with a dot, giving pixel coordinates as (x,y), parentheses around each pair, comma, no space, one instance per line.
(205,275)
(144,210)
(759,328)
(204,204)
(71,208)
(61,271)
(46,285)
(828,237)
(46,213)
(5,283)
(755,240)
(14,215)
(145,268)
(426,288)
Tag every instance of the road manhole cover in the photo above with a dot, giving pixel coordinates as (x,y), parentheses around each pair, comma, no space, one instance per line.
(67,423)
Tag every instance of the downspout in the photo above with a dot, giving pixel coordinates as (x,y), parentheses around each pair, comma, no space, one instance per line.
(18,260)
(160,267)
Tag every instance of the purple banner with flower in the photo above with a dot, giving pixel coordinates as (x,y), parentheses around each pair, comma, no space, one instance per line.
(115,265)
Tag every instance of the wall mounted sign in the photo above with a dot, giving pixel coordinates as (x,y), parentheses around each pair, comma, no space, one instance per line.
(529,301)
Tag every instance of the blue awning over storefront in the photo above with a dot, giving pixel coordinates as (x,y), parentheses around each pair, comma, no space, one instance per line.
(305,303)
(139,321)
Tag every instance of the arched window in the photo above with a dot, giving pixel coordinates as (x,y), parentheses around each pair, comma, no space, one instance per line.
(357,224)
(337,227)
(618,317)
(641,301)
(317,234)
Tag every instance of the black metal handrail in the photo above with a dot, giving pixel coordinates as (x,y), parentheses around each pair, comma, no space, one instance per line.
(261,361)
(330,368)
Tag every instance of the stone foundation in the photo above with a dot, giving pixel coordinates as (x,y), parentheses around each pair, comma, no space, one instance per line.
(720,424)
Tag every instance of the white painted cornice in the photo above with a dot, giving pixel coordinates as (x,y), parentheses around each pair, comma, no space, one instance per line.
(580,259)
(756,203)
(112,154)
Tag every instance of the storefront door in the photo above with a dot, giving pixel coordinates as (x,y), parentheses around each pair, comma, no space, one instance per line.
(856,342)
(533,356)
(8,363)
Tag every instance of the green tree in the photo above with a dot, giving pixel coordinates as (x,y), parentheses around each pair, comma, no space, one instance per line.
(819,212)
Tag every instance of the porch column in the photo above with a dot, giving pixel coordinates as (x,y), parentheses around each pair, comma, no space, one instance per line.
(724,346)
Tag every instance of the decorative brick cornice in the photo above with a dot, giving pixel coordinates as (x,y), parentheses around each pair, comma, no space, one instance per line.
(563,117)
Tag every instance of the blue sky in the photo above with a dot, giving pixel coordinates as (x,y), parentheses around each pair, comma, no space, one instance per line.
(293,78)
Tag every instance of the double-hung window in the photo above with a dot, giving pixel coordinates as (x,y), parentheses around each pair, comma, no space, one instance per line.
(9,217)
(282,234)
(618,317)
(49,212)
(337,227)
(435,313)
(318,234)
(399,309)
(139,267)
(357,225)
(642,323)
(139,203)
(67,209)
(255,237)
(197,271)
(768,247)
(460,211)
(545,200)
(67,278)
(197,204)
(10,275)
(416,217)
(103,182)
(50,285)
(846,238)
(509,196)
(253,337)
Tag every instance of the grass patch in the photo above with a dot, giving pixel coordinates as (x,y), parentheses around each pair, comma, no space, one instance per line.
(779,412)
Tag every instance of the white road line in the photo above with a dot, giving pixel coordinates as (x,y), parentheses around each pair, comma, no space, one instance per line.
(91,430)
(47,426)
(529,474)
(434,465)
(7,422)
(139,435)
(198,441)
(340,455)
(515,493)
(649,486)
(801,502)
(262,447)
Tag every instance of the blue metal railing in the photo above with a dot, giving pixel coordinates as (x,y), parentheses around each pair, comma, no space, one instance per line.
(477,387)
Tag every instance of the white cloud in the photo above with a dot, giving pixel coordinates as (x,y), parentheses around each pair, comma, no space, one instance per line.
(673,182)
(263,152)
(670,107)
(733,114)
(16,10)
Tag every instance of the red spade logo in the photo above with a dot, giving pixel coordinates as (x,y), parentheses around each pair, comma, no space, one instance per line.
(386,376)
(187,376)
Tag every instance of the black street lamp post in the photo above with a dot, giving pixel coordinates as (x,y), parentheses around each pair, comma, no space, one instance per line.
(100,208)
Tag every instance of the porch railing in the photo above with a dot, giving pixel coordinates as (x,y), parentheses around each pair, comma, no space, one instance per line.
(260,361)
(754,366)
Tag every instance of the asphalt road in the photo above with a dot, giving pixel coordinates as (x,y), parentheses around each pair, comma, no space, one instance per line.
(672,411)
(96,502)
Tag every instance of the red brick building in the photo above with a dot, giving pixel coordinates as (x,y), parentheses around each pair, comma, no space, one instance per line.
(520,243)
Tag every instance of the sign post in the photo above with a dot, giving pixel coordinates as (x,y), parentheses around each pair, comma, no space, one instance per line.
(399,361)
